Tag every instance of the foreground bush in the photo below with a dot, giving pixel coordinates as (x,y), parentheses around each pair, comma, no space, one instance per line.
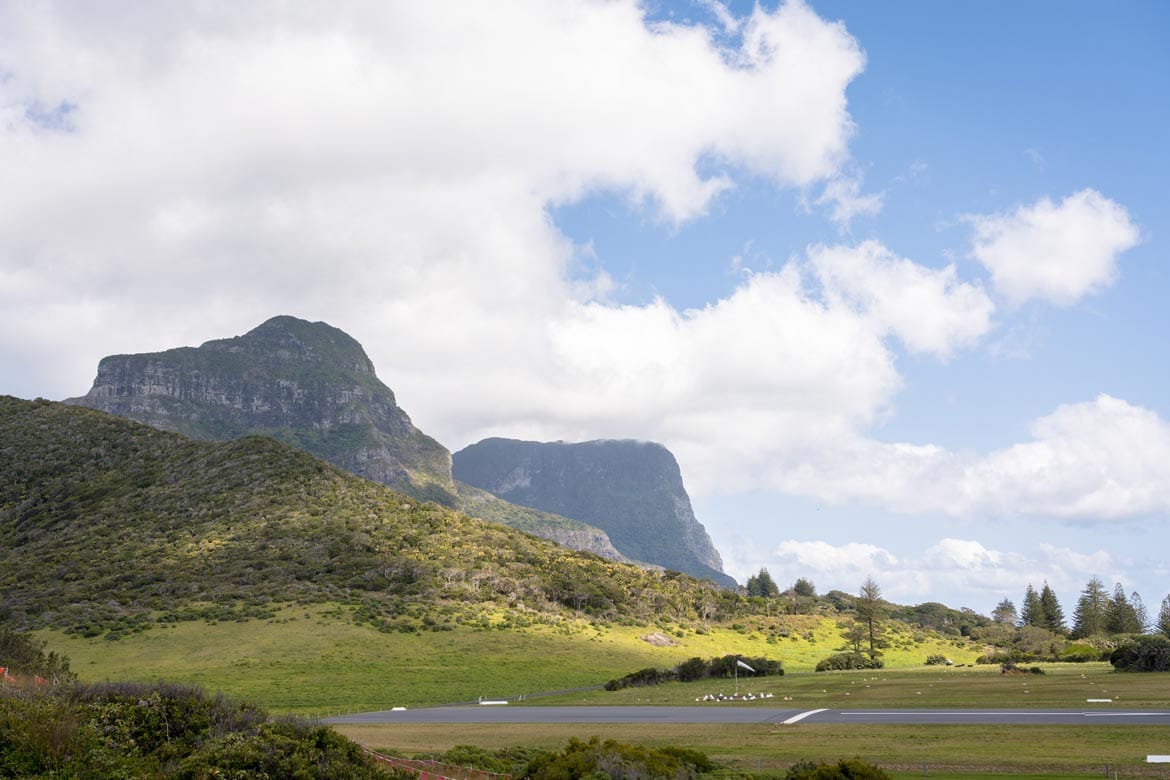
(842,770)
(1144,654)
(617,761)
(842,661)
(133,730)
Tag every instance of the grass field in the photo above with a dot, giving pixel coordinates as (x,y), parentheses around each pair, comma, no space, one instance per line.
(945,751)
(317,661)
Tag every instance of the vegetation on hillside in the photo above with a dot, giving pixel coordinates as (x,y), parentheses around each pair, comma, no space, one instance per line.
(107,525)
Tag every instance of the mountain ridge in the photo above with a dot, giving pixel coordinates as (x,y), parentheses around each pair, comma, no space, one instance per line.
(312,386)
(631,489)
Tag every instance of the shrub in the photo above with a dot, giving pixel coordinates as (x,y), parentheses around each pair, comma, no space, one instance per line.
(842,661)
(1144,654)
(937,660)
(845,769)
(616,760)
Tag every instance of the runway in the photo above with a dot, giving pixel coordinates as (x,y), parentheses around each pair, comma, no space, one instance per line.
(760,715)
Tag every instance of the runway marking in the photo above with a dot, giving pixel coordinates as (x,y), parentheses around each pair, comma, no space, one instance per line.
(801,716)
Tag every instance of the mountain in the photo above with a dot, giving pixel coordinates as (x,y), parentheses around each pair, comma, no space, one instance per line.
(312,386)
(110,526)
(632,490)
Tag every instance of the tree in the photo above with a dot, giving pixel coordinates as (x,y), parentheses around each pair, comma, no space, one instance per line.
(762,585)
(1052,616)
(1004,612)
(1089,617)
(1032,612)
(1139,610)
(870,612)
(1163,624)
(804,587)
(1120,616)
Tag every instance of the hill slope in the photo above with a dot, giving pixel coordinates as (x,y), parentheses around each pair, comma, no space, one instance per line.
(631,490)
(312,386)
(110,525)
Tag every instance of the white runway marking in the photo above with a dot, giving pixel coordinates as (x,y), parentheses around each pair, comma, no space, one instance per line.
(801,716)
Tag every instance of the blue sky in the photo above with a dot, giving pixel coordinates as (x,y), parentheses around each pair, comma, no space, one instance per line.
(888,279)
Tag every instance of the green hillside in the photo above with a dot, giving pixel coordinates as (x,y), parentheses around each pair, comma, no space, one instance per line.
(108,525)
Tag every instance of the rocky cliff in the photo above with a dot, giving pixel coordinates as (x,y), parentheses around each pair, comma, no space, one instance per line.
(631,490)
(310,385)
(307,384)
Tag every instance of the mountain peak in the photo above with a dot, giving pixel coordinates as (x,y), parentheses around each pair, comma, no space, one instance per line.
(632,490)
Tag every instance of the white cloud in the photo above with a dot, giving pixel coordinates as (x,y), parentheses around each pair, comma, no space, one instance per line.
(844,194)
(1097,461)
(390,168)
(1057,252)
(929,310)
(947,570)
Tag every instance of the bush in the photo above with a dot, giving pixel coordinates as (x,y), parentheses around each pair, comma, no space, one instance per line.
(842,661)
(937,660)
(616,760)
(1078,654)
(1144,654)
(851,769)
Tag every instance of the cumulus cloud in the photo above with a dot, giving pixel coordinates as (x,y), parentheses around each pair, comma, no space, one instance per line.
(936,571)
(390,168)
(928,310)
(1096,461)
(1058,252)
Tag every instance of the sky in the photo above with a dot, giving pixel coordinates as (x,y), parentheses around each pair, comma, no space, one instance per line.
(888,279)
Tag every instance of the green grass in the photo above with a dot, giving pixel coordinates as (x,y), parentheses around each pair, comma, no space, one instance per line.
(1062,686)
(945,751)
(318,661)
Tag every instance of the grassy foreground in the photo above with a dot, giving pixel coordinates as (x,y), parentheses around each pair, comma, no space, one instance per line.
(944,751)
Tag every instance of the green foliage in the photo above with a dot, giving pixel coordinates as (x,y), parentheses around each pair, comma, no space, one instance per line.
(845,769)
(1163,623)
(1089,617)
(1144,654)
(1120,615)
(111,527)
(937,660)
(762,585)
(698,669)
(131,730)
(842,661)
(616,760)
(804,587)
(939,617)
(25,656)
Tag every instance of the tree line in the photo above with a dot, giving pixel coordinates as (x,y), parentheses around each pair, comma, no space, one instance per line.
(1098,613)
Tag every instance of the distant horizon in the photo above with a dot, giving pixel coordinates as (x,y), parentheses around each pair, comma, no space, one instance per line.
(889,281)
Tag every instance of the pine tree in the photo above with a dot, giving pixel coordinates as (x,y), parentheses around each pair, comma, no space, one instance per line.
(1163,624)
(762,585)
(1139,610)
(1004,612)
(1052,616)
(870,611)
(1120,617)
(1089,618)
(1032,612)
(804,587)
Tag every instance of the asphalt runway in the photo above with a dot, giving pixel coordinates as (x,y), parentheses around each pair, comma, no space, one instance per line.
(789,717)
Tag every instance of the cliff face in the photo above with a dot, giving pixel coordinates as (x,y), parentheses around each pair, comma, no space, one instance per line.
(308,384)
(631,490)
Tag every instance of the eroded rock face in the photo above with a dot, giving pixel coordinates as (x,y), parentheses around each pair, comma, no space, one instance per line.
(631,490)
(308,384)
(313,386)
